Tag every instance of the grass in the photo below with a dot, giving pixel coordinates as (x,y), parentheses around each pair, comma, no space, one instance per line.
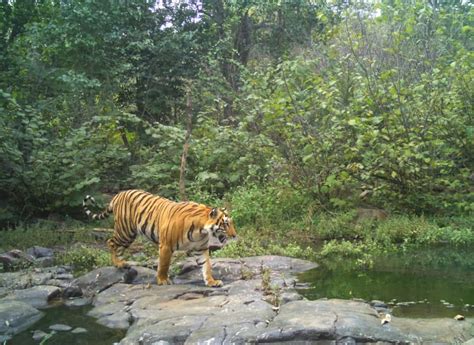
(47,234)
(83,258)
(313,237)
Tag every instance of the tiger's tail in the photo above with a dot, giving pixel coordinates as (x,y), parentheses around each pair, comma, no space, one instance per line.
(102,215)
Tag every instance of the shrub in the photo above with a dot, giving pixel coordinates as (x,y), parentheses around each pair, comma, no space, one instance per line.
(84,259)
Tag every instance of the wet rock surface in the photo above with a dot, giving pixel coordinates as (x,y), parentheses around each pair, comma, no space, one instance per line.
(16,316)
(251,307)
(240,312)
(36,296)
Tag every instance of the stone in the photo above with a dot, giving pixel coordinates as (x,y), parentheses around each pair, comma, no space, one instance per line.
(59,327)
(46,261)
(37,296)
(129,275)
(16,316)
(144,275)
(119,320)
(78,302)
(72,291)
(64,276)
(100,279)
(4,338)
(106,309)
(38,335)
(23,279)
(378,304)
(290,297)
(79,330)
(190,313)
(15,259)
(3,292)
(40,252)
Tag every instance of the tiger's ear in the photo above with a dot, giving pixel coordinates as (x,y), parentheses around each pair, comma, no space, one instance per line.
(213,213)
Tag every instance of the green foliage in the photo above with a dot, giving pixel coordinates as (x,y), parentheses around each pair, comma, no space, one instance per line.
(268,205)
(45,233)
(83,259)
(296,108)
(254,243)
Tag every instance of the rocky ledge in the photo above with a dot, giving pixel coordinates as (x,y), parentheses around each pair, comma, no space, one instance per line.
(257,304)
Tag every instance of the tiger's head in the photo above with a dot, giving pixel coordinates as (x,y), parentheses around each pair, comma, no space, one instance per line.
(222,228)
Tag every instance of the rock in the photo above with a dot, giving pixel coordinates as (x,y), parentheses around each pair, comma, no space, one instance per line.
(15,259)
(100,279)
(64,276)
(78,302)
(46,261)
(38,335)
(469,342)
(189,312)
(60,327)
(129,275)
(72,291)
(119,320)
(40,252)
(439,331)
(144,275)
(16,316)
(107,309)
(79,330)
(290,297)
(4,338)
(29,278)
(378,304)
(231,270)
(37,296)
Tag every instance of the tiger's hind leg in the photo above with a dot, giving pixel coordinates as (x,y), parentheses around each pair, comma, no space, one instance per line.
(117,251)
(120,241)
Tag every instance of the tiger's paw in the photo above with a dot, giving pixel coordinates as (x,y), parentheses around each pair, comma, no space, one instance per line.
(164,281)
(214,283)
(122,264)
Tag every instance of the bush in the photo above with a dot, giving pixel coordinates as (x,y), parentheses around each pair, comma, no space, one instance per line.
(251,242)
(274,205)
(84,259)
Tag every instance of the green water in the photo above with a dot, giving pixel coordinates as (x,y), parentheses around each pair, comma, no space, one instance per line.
(74,317)
(425,284)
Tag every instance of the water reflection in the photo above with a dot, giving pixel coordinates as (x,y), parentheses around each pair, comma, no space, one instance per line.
(429,283)
(75,317)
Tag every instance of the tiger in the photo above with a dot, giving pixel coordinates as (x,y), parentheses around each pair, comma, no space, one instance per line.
(171,226)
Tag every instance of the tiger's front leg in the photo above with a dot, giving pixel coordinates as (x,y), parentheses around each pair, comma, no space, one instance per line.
(164,265)
(207,272)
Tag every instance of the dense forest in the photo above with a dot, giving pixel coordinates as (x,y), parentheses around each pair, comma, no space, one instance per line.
(282,110)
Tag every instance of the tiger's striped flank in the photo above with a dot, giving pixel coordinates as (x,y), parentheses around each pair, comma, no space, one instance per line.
(170,225)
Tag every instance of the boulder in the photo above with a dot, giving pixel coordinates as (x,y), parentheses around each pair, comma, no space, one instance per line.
(40,252)
(37,296)
(36,276)
(190,313)
(16,316)
(72,291)
(99,279)
(46,261)
(15,259)
(78,302)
